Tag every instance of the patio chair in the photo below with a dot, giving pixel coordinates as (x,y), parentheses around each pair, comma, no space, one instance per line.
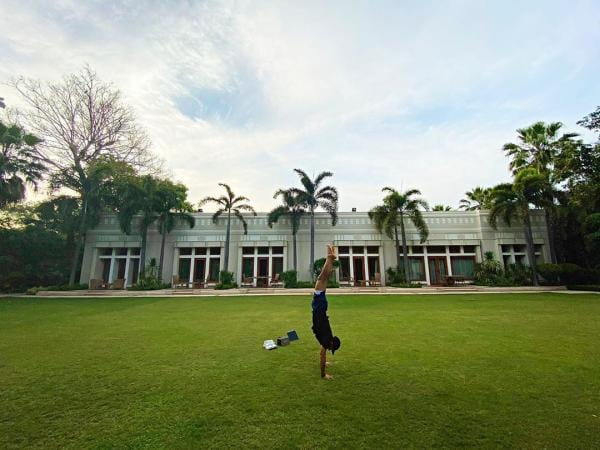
(375,282)
(276,281)
(347,283)
(178,283)
(199,284)
(96,284)
(247,282)
(119,283)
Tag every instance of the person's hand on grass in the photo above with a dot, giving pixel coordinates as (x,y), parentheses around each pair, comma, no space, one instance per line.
(327,363)
(328,377)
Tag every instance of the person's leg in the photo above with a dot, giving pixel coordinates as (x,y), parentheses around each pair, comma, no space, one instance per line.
(321,283)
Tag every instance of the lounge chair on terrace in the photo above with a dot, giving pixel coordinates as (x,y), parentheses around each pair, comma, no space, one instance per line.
(119,283)
(178,282)
(96,284)
(375,282)
(247,282)
(276,281)
(347,283)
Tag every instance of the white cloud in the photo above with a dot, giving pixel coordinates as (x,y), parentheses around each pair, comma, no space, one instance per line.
(412,96)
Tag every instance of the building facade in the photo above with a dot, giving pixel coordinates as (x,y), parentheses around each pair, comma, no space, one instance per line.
(457,240)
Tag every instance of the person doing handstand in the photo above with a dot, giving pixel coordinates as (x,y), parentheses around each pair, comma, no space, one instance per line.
(321,327)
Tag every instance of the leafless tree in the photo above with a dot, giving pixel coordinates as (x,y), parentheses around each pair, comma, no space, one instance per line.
(82,119)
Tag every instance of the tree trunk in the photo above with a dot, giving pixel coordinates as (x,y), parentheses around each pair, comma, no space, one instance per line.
(295,253)
(405,250)
(312,244)
(162,250)
(80,241)
(144,233)
(397,240)
(551,242)
(227,237)
(530,248)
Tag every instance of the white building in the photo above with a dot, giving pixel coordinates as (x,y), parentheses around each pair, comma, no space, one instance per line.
(457,239)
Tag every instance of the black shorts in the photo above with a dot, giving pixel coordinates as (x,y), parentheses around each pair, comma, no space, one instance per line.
(322,329)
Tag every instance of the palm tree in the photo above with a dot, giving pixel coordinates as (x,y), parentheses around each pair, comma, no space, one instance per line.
(172,208)
(538,148)
(441,208)
(316,196)
(511,202)
(390,215)
(19,164)
(230,204)
(478,198)
(291,206)
(137,197)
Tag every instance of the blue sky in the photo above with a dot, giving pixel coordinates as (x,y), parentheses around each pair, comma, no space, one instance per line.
(407,94)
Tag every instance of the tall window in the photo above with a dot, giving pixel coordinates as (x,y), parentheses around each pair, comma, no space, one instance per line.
(199,264)
(120,263)
(262,264)
(517,254)
(358,264)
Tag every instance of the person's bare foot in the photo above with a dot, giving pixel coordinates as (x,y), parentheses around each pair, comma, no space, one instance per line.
(328,377)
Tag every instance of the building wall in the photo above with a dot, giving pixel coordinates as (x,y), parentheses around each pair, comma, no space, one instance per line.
(353,229)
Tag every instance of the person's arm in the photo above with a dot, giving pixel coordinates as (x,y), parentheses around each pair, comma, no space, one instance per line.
(324,363)
(321,283)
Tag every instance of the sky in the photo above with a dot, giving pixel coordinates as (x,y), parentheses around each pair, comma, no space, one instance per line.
(381,93)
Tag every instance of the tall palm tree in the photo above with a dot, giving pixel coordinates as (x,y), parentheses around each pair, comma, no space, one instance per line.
(292,207)
(391,214)
(19,164)
(478,198)
(511,202)
(315,196)
(137,198)
(230,204)
(441,208)
(172,208)
(538,147)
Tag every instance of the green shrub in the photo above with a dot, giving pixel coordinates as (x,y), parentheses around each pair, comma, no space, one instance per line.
(226,278)
(305,284)
(290,279)
(585,287)
(550,273)
(406,285)
(224,286)
(332,284)
(572,274)
(57,287)
(395,276)
(148,283)
(518,274)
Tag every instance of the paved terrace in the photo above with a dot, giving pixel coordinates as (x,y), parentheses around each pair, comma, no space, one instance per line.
(306,292)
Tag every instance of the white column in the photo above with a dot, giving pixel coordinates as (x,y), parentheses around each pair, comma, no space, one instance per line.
(448,262)
(240,275)
(94,263)
(366,266)
(381,265)
(426,259)
(192,267)
(175,261)
(255,267)
(127,268)
(112,267)
(270,275)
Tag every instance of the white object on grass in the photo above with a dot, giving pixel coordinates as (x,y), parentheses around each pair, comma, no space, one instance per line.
(269,344)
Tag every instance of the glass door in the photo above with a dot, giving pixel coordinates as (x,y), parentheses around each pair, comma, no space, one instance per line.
(437,269)
(262,275)
(359,270)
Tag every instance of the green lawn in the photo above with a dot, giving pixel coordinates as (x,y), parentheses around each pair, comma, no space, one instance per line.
(413,371)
